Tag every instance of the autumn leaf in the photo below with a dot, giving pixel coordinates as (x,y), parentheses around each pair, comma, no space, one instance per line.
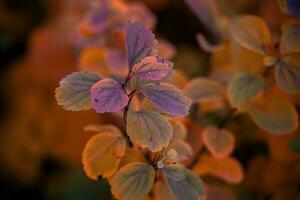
(204,89)
(168,98)
(243,88)
(73,92)
(183,183)
(140,43)
(219,142)
(108,96)
(149,129)
(228,169)
(133,182)
(290,39)
(252,33)
(151,68)
(276,116)
(102,154)
(287,74)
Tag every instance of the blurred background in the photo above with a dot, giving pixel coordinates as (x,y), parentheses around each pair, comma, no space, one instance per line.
(41,143)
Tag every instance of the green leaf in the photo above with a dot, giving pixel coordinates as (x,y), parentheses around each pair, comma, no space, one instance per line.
(73,92)
(184,184)
(290,39)
(252,33)
(204,89)
(149,129)
(294,144)
(287,74)
(276,116)
(102,154)
(243,88)
(133,182)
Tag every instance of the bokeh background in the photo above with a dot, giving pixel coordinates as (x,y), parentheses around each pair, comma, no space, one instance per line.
(41,144)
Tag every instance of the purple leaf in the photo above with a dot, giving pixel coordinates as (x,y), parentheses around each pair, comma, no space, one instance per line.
(108,96)
(140,43)
(168,98)
(151,68)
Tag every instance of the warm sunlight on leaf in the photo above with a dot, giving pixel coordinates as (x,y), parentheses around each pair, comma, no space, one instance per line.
(219,142)
(102,154)
(246,60)
(252,33)
(228,169)
(92,59)
(133,182)
(149,129)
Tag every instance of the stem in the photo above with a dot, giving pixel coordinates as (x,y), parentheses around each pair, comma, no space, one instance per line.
(125,111)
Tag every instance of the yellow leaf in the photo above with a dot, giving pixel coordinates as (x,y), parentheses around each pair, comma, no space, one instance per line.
(247,60)
(133,182)
(252,33)
(92,59)
(102,154)
(103,128)
(228,169)
(219,142)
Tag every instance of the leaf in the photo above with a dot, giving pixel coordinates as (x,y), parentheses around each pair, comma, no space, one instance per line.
(247,60)
(168,98)
(183,183)
(102,154)
(166,49)
(243,88)
(294,144)
(92,59)
(103,128)
(207,12)
(206,45)
(151,68)
(219,142)
(291,7)
(204,89)
(183,149)
(290,39)
(252,33)
(179,129)
(73,92)
(149,129)
(133,182)
(162,191)
(276,116)
(108,96)
(228,169)
(287,75)
(140,43)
